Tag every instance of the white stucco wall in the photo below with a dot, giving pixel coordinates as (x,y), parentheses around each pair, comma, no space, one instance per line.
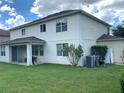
(90,30)
(81,30)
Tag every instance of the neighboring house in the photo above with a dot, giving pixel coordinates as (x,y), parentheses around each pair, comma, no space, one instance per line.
(115,47)
(4,35)
(45,38)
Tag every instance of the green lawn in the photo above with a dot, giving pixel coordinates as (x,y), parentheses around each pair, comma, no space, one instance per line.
(59,79)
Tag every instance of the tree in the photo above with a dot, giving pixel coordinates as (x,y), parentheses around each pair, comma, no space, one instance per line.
(120,31)
(74,54)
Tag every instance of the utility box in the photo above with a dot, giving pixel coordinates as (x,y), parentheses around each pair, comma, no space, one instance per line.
(92,61)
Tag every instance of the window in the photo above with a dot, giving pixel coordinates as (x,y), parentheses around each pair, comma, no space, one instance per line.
(23,31)
(3,51)
(65,53)
(43,28)
(61,26)
(41,50)
(58,27)
(37,50)
(60,49)
(64,26)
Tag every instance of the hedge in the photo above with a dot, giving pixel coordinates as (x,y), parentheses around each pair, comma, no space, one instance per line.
(99,50)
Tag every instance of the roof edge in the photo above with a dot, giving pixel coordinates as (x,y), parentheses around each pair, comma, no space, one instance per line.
(23,40)
(44,19)
(104,40)
(95,18)
(47,18)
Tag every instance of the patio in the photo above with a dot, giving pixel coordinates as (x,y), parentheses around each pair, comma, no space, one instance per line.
(25,50)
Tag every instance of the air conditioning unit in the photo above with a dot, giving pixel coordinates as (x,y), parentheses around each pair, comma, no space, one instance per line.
(92,61)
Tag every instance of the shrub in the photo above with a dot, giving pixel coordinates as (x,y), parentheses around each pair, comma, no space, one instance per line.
(122,83)
(74,54)
(99,51)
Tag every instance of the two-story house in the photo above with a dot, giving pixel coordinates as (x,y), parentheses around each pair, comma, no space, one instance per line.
(45,38)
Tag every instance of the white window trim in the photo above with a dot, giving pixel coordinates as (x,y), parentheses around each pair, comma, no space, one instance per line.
(41,30)
(23,31)
(61,26)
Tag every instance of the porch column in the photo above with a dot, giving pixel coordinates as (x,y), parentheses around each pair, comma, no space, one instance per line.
(29,54)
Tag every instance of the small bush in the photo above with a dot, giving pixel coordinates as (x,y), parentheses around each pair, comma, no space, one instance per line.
(74,54)
(99,51)
(122,83)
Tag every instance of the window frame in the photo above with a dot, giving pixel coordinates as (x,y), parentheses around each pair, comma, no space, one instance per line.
(58,27)
(3,50)
(38,50)
(35,50)
(65,53)
(61,25)
(41,50)
(23,31)
(60,49)
(64,26)
(43,28)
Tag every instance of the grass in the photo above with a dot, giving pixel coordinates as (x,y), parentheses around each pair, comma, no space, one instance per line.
(59,79)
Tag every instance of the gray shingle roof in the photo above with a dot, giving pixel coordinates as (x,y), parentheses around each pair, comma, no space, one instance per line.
(23,40)
(58,15)
(4,33)
(109,38)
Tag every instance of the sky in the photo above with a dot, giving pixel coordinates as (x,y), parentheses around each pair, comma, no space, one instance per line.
(17,12)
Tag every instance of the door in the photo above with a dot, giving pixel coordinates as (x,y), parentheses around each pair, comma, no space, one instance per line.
(14,53)
(109,56)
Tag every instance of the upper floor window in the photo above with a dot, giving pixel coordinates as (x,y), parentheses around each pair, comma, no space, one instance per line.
(60,49)
(23,32)
(43,28)
(61,25)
